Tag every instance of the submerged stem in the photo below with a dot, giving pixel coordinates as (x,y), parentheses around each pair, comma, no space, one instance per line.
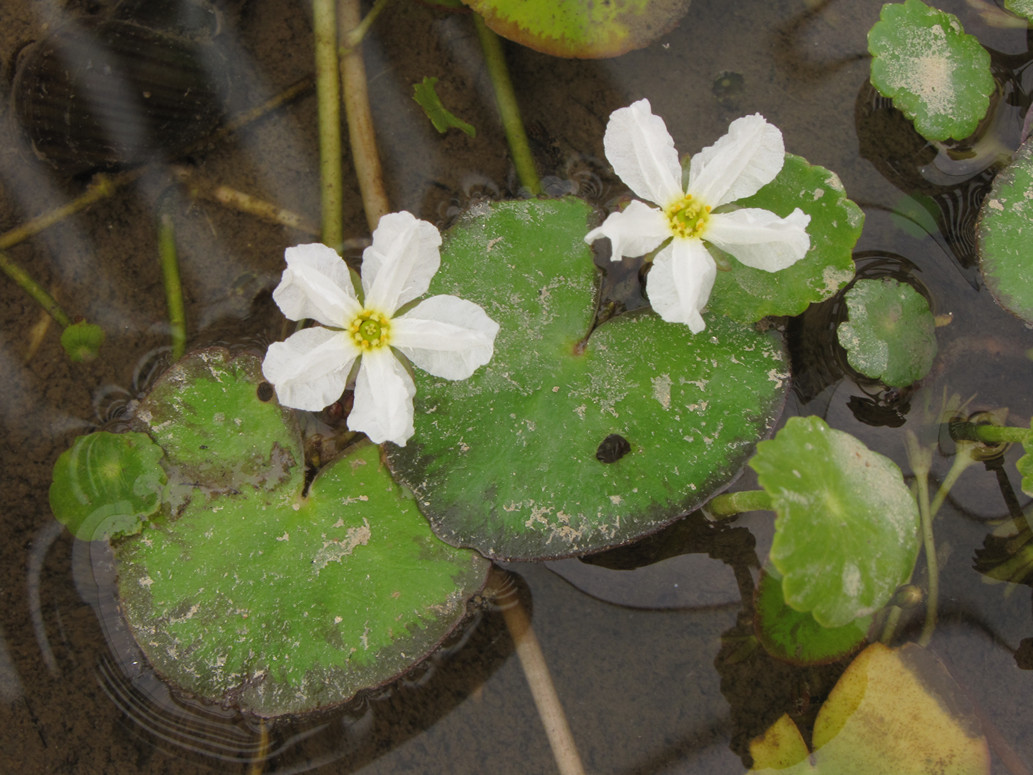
(173,284)
(509,110)
(363,142)
(537,673)
(932,563)
(25,281)
(328,91)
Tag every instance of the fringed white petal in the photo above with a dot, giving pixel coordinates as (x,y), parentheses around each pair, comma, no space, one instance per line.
(759,238)
(383,399)
(400,263)
(310,369)
(445,336)
(634,231)
(641,152)
(679,283)
(316,284)
(738,164)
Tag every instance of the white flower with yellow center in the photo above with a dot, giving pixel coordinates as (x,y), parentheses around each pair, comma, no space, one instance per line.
(642,153)
(443,335)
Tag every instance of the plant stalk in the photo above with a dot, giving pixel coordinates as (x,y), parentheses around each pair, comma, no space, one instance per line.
(173,283)
(509,110)
(25,281)
(532,660)
(731,504)
(357,111)
(328,92)
(989,434)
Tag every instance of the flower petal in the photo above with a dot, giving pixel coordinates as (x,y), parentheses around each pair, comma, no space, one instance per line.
(316,284)
(738,164)
(679,282)
(759,238)
(634,231)
(446,336)
(641,152)
(398,266)
(383,399)
(310,369)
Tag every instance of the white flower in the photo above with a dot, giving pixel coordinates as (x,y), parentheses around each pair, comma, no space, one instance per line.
(443,335)
(642,153)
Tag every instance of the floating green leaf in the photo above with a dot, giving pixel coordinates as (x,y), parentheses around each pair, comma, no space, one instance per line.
(570,28)
(1004,233)
(896,711)
(748,294)
(105,484)
(1020,7)
(890,334)
(560,446)
(82,341)
(846,534)
(441,117)
(220,427)
(934,72)
(257,596)
(795,636)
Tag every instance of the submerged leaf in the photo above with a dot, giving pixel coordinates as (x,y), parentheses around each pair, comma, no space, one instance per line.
(935,73)
(561,446)
(571,28)
(82,341)
(893,710)
(441,117)
(846,535)
(890,334)
(105,484)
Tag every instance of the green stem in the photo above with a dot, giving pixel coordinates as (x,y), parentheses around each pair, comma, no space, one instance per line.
(173,284)
(354,36)
(962,460)
(328,91)
(509,110)
(731,504)
(989,434)
(34,289)
(361,137)
(932,564)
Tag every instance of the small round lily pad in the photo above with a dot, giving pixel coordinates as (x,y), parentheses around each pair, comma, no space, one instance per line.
(890,334)
(569,28)
(749,294)
(935,73)
(564,445)
(846,534)
(795,636)
(1004,233)
(105,484)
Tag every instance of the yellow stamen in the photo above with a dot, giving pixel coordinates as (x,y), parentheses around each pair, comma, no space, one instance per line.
(687,217)
(370,330)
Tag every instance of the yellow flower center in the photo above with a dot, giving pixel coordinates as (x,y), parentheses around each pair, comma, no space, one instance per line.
(370,330)
(688,217)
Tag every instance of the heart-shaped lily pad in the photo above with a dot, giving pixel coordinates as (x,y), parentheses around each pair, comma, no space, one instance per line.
(748,294)
(890,334)
(246,591)
(570,28)
(561,446)
(935,73)
(1003,234)
(846,534)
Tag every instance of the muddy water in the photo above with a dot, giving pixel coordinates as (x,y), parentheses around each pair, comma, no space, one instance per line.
(632,649)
